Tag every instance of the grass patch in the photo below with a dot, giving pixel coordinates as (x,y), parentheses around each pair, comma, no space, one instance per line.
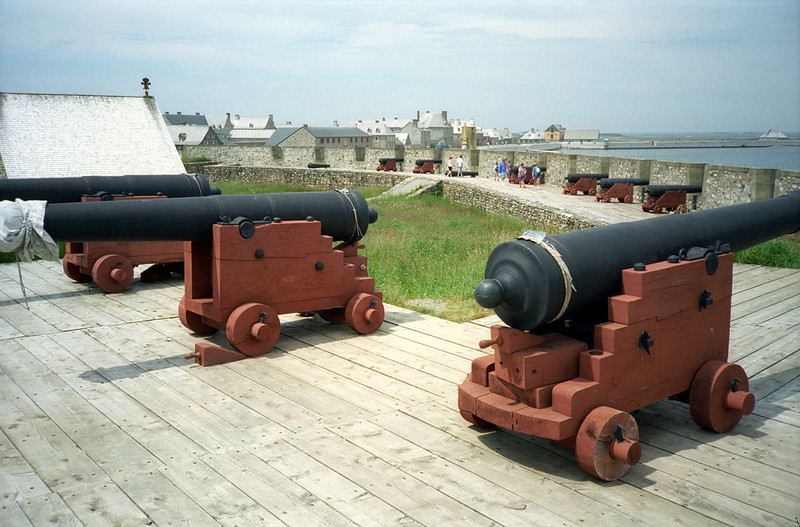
(201,159)
(239,187)
(780,252)
(428,254)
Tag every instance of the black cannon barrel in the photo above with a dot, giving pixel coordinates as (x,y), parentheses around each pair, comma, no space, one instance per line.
(71,189)
(384,160)
(610,182)
(526,286)
(574,178)
(659,190)
(420,162)
(344,215)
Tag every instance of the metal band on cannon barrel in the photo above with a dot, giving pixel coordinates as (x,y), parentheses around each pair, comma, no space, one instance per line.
(72,189)
(344,215)
(526,286)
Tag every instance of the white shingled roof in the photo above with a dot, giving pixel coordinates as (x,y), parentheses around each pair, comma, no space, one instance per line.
(46,135)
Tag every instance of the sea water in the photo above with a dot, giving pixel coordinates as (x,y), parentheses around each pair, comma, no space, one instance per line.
(776,157)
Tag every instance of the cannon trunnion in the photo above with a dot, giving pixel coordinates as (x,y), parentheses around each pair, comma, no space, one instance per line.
(597,329)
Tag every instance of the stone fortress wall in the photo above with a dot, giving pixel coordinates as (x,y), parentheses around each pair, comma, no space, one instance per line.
(722,185)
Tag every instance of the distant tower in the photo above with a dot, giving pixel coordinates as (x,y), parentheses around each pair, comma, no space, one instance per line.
(146,84)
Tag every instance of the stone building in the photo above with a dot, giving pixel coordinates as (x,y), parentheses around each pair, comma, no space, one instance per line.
(312,136)
(193,135)
(554,132)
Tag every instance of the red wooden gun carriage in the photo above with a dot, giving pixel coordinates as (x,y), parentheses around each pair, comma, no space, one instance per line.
(247,259)
(604,321)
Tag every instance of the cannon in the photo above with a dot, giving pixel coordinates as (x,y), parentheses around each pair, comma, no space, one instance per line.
(619,188)
(667,198)
(318,165)
(389,163)
(586,183)
(425,166)
(603,321)
(247,259)
(85,262)
(72,189)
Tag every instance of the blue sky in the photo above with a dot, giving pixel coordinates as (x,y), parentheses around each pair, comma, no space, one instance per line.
(619,66)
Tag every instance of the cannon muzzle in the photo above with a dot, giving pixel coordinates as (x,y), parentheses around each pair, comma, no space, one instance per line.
(531,282)
(72,189)
(344,215)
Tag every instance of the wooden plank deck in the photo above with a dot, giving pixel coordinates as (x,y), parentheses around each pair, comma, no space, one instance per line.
(102,422)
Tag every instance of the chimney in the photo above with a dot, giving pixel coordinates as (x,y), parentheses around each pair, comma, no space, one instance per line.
(166,113)
(179,113)
(417,115)
(444,115)
(305,126)
(197,113)
(335,123)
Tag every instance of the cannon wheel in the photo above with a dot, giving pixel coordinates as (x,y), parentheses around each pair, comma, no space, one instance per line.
(477,421)
(605,199)
(112,273)
(193,321)
(73,271)
(597,449)
(681,209)
(719,396)
(628,199)
(253,328)
(334,315)
(364,313)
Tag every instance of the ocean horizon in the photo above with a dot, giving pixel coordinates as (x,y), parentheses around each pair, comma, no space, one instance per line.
(772,157)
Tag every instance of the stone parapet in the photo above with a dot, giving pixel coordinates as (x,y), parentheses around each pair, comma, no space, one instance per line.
(722,185)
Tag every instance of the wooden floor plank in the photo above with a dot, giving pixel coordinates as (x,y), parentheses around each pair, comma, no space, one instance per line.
(336,428)
(567,489)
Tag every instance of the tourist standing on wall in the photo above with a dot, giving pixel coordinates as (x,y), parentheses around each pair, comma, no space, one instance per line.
(497,171)
(521,175)
(449,166)
(503,169)
(460,165)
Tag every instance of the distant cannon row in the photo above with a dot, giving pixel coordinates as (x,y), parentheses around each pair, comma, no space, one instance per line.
(660,198)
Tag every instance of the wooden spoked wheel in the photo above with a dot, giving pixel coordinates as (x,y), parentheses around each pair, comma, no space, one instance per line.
(477,421)
(628,199)
(364,313)
(253,328)
(193,321)
(74,272)
(334,315)
(718,397)
(112,273)
(607,444)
